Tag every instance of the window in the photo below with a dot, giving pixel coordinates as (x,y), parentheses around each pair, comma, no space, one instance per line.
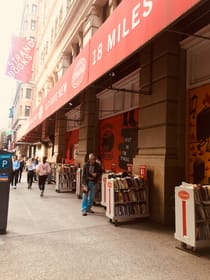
(28,93)
(27,111)
(34,9)
(33,25)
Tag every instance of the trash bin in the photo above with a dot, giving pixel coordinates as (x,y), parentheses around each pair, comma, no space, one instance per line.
(5,175)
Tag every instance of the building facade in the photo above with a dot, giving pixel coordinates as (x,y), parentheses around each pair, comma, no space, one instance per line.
(117,78)
(25,96)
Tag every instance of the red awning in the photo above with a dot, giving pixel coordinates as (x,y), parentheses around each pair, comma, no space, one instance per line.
(130,26)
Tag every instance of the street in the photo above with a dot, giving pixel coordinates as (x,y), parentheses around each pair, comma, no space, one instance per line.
(48,239)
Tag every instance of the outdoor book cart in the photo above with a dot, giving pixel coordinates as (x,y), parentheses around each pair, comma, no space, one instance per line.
(192,216)
(127,198)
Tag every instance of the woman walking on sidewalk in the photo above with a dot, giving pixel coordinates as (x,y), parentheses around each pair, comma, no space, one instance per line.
(30,168)
(42,171)
(15,171)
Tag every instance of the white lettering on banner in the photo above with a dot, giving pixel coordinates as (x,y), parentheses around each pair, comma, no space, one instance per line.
(123,29)
(97,53)
(147,4)
(62,90)
(50,101)
(20,60)
(135,17)
(56,96)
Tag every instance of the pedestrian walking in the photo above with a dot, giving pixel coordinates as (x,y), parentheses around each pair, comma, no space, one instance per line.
(15,171)
(36,161)
(42,171)
(30,168)
(22,167)
(91,173)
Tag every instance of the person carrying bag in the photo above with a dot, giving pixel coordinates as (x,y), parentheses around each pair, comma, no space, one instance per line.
(90,174)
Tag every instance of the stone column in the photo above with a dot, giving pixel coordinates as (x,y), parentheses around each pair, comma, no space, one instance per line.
(88,133)
(60,137)
(161,143)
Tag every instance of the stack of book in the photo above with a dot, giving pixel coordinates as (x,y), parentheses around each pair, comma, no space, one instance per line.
(130,196)
(202,211)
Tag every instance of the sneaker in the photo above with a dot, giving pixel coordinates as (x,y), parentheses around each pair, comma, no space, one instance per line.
(84,214)
(42,193)
(90,210)
(14,187)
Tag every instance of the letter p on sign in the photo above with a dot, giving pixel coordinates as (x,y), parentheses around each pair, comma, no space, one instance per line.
(4,163)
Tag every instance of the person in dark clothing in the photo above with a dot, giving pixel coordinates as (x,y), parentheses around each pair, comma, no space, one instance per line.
(36,161)
(22,166)
(42,171)
(15,171)
(90,175)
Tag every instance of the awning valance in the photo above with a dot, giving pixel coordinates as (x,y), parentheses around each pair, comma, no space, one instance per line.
(131,25)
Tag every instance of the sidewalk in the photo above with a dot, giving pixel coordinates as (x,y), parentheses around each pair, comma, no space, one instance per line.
(48,239)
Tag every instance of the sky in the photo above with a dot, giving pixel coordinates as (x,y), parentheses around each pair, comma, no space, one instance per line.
(10,18)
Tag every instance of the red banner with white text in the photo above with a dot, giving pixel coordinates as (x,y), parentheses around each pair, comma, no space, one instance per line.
(20,60)
(129,27)
(132,24)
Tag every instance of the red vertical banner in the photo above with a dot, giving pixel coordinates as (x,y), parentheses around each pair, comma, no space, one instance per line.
(20,60)
(184,218)
(184,196)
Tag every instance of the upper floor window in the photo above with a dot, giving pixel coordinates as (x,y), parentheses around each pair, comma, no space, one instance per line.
(28,93)
(27,111)
(33,25)
(34,9)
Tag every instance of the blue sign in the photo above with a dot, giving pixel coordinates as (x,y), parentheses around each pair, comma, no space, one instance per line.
(4,161)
